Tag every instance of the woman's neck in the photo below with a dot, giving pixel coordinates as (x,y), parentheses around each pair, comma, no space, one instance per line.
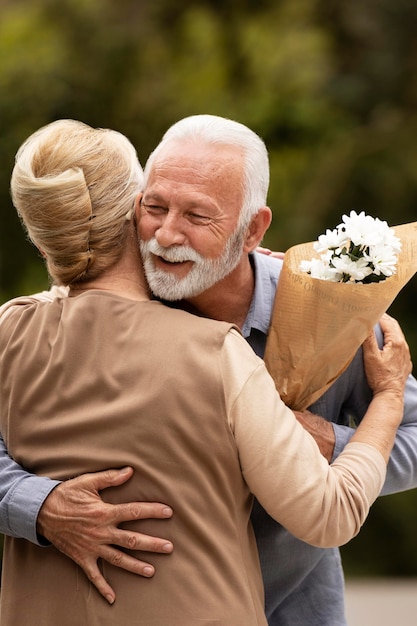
(125,278)
(126,285)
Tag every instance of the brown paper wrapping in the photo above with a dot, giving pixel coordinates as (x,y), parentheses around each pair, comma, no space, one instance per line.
(317,326)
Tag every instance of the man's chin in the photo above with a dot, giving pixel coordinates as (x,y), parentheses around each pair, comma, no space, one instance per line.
(168,287)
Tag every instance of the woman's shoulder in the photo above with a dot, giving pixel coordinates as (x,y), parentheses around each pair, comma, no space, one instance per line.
(15,305)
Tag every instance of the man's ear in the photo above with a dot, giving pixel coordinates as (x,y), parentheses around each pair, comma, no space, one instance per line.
(257,228)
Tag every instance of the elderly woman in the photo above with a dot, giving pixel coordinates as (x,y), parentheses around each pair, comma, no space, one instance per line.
(108,377)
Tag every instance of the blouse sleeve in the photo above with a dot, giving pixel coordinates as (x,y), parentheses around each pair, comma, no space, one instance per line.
(322,504)
(43,296)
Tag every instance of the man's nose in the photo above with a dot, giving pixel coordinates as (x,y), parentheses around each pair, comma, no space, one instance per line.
(169,232)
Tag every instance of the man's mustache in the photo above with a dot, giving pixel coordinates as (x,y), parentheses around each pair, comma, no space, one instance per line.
(173,254)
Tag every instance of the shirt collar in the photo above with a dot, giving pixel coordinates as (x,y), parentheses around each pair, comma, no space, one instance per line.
(266,270)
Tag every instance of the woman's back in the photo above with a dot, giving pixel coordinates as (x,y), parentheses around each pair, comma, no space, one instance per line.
(101,381)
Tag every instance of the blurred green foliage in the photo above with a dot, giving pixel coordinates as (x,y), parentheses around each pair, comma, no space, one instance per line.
(331,86)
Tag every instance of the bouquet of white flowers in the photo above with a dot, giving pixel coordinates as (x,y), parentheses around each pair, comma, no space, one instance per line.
(325,306)
(359,250)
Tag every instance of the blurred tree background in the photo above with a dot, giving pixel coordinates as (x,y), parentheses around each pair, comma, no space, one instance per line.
(331,86)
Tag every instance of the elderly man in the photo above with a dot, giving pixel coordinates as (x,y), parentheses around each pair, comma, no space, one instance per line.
(198,253)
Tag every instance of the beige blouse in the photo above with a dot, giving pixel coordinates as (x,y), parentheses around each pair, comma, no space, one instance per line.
(98,381)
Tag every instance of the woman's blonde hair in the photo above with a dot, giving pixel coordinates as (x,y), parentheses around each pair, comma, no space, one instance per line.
(74,187)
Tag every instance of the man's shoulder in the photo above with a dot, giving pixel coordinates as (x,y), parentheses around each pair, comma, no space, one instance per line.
(267,265)
(267,271)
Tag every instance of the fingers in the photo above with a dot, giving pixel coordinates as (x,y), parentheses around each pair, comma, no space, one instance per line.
(392,334)
(138,541)
(134,540)
(117,559)
(139,510)
(370,344)
(125,512)
(94,575)
(391,329)
(394,338)
(85,528)
(388,368)
(263,250)
(122,560)
(268,252)
(108,478)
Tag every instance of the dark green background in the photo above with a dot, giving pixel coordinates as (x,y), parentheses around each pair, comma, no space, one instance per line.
(330,85)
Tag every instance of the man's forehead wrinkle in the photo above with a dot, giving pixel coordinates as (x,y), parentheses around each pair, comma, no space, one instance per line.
(176,168)
(171,179)
(202,159)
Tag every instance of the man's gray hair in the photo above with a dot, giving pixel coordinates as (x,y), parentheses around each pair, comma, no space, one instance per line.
(212,129)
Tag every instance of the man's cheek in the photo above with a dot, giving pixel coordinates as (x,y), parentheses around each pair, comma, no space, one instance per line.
(145,226)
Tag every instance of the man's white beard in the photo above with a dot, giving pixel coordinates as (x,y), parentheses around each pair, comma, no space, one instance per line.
(204,273)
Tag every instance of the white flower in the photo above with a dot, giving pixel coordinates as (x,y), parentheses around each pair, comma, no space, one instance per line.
(355,271)
(382,258)
(360,229)
(319,268)
(332,240)
(360,249)
(389,239)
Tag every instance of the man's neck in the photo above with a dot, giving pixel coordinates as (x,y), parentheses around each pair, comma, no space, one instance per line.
(230,299)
